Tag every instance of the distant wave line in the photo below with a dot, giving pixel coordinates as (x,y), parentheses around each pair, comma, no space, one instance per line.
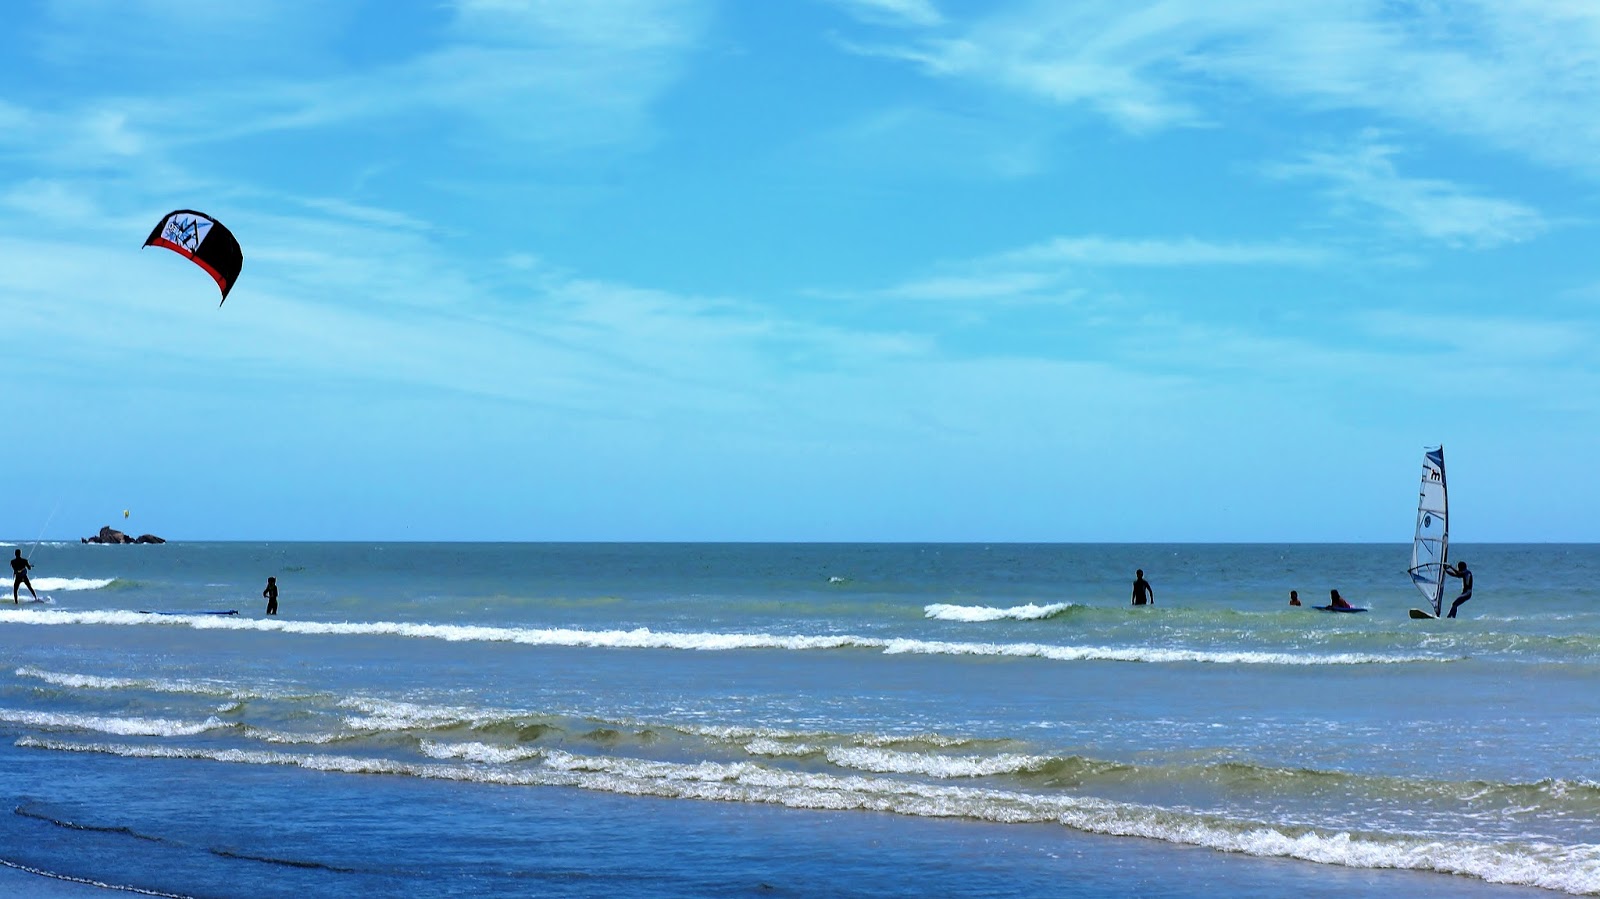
(644,638)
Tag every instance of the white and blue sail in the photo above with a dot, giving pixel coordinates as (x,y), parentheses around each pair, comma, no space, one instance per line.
(1432,541)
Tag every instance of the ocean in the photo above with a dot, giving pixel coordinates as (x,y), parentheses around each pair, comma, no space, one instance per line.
(775,720)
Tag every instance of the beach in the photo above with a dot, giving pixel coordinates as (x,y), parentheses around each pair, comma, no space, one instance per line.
(797,719)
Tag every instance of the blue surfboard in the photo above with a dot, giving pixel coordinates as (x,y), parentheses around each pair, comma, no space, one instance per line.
(1337,609)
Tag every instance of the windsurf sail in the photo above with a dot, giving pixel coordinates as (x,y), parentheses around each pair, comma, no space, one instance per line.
(1432,541)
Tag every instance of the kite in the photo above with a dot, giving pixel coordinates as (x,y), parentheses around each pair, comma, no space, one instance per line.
(204,241)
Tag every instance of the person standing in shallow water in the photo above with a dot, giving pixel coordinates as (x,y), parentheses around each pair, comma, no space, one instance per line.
(1294,597)
(20,566)
(1143,593)
(1460,571)
(271,593)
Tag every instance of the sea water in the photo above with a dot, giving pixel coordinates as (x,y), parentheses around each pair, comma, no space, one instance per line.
(798,720)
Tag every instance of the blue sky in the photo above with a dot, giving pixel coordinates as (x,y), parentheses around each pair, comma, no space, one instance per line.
(803,269)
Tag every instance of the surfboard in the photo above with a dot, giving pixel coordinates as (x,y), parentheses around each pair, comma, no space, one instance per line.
(1337,609)
(152,612)
(1418,613)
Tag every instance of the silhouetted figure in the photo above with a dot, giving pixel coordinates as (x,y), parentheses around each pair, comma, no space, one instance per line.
(271,593)
(1143,594)
(19,572)
(1294,598)
(1460,571)
(1337,601)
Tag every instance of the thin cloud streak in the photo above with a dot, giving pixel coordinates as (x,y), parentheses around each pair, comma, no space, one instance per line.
(1430,208)
(1521,76)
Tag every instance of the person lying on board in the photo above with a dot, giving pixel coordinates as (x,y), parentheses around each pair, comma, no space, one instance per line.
(1336,601)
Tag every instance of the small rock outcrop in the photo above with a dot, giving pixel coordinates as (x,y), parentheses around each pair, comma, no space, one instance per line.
(109,534)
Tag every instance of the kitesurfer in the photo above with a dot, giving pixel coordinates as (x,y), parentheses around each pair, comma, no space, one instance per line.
(19,571)
(1143,594)
(1336,601)
(271,593)
(1460,571)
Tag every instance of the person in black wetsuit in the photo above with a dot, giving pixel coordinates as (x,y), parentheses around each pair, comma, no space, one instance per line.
(1143,593)
(1460,571)
(19,576)
(271,593)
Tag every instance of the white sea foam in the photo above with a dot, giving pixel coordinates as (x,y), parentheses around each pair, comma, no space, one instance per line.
(480,752)
(644,638)
(67,584)
(1029,612)
(1569,868)
(125,727)
(154,685)
(779,749)
(888,761)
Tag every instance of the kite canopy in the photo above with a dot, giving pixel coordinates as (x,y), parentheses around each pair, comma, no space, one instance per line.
(204,241)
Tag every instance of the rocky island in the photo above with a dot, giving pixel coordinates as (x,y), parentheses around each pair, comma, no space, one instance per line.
(109,534)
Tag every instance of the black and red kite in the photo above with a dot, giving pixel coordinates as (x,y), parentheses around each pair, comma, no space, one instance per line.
(204,241)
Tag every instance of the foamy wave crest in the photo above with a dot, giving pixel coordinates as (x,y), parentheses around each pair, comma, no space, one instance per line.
(1569,868)
(122,727)
(780,748)
(65,584)
(886,761)
(1029,612)
(154,685)
(1149,654)
(479,752)
(644,638)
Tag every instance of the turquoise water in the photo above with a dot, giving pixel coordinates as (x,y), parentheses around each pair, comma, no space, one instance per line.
(653,719)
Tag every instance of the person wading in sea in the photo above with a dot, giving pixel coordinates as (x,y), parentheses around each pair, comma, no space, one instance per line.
(1143,593)
(271,593)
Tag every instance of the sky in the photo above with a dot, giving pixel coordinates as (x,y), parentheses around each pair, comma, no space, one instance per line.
(809,270)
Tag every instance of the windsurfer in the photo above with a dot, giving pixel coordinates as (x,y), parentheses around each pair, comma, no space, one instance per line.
(1143,593)
(19,571)
(1460,571)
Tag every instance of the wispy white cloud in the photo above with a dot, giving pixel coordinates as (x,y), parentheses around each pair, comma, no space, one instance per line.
(1430,208)
(1044,271)
(555,75)
(1521,75)
(922,141)
(1503,338)
(1187,251)
(1001,286)
(921,13)
(180,39)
